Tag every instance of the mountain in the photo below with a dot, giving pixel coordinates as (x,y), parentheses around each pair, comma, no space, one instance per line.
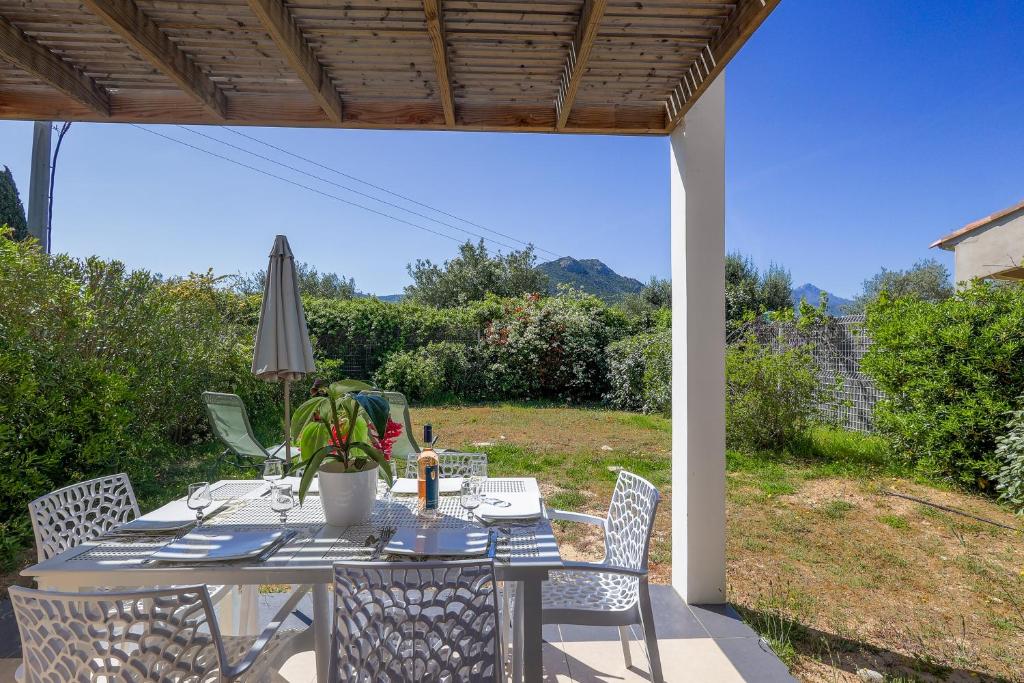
(390,298)
(589,275)
(812,294)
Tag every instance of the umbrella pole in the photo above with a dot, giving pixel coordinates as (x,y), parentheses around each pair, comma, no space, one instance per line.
(287,424)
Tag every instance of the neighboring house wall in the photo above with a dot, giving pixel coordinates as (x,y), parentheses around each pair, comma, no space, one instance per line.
(991,250)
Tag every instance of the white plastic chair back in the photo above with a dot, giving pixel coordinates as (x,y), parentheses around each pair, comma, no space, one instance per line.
(454,465)
(81,512)
(630,522)
(156,635)
(422,621)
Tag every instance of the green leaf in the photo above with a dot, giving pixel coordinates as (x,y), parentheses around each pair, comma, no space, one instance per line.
(311,469)
(305,413)
(348,386)
(313,439)
(377,409)
(382,460)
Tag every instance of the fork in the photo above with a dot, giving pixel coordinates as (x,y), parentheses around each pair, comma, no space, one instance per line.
(385,535)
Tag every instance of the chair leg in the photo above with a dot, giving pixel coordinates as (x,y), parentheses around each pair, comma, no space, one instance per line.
(650,634)
(624,637)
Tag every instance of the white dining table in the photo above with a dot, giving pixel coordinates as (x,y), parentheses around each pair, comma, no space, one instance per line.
(524,554)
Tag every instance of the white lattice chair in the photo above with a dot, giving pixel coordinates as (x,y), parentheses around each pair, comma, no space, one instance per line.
(613,592)
(67,517)
(453,464)
(163,635)
(415,621)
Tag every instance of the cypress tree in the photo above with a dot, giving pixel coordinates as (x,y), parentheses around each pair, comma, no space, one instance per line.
(11,210)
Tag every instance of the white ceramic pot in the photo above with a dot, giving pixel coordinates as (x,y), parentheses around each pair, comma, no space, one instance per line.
(347,497)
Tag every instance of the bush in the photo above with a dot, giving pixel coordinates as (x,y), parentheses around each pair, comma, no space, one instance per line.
(771,397)
(102,370)
(1010,451)
(950,371)
(436,371)
(640,373)
(549,348)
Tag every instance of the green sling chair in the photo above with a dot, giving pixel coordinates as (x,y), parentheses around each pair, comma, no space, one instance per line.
(230,422)
(405,446)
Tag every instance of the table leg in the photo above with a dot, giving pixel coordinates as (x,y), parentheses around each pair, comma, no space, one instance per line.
(532,638)
(517,634)
(322,619)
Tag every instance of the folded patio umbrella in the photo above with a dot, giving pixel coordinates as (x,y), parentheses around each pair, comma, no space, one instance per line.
(282,351)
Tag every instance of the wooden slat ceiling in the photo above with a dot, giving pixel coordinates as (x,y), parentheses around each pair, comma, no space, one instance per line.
(574,66)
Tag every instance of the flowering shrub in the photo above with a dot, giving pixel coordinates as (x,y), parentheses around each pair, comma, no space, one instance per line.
(548,348)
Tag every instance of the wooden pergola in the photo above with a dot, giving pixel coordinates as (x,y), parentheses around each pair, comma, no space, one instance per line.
(653,67)
(574,66)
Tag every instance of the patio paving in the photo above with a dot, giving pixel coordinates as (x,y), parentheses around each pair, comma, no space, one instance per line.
(704,644)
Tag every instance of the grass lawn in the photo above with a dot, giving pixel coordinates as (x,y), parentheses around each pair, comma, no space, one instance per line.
(834,572)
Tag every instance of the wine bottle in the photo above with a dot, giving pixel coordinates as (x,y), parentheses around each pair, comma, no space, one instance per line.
(429,471)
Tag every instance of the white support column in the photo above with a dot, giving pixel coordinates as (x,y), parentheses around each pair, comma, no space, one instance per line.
(698,349)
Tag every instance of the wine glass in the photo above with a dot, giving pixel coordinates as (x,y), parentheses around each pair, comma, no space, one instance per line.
(469,495)
(281,500)
(199,498)
(273,470)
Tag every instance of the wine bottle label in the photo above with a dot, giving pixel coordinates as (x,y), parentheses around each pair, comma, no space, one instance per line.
(430,474)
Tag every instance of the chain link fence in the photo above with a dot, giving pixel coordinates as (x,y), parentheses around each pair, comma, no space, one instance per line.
(837,346)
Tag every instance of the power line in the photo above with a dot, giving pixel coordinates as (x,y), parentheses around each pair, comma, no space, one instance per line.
(296,184)
(354,191)
(383,189)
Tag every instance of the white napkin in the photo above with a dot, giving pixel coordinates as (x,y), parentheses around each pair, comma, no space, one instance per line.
(410,486)
(174,515)
(509,506)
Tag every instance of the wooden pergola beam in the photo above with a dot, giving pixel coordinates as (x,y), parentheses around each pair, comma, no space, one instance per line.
(579,56)
(126,19)
(301,110)
(285,33)
(439,47)
(745,19)
(26,53)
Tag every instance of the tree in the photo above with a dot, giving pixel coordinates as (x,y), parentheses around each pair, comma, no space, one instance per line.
(645,304)
(12,212)
(312,283)
(474,274)
(749,292)
(928,280)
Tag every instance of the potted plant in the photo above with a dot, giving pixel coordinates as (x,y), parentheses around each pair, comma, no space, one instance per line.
(343,434)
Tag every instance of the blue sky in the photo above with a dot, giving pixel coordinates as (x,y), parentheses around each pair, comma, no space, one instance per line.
(857,133)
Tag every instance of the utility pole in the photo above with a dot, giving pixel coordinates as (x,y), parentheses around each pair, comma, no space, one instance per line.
(39,184)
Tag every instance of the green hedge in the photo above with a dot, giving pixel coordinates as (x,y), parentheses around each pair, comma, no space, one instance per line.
(101,370)
(376,329)
(951,371)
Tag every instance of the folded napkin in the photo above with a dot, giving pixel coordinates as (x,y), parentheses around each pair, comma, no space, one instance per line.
(509,507)
(410,486)
(174,515)
(212,545)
